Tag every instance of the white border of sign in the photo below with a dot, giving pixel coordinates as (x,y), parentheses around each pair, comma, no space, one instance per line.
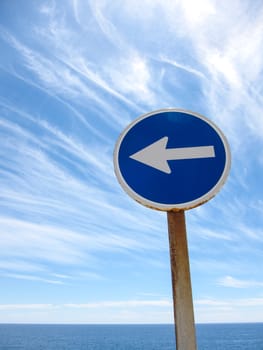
(181,206)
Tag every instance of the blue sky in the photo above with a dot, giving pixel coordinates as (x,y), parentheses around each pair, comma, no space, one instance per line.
(74,248)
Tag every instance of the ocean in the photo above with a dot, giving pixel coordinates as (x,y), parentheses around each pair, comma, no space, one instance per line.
(127,337)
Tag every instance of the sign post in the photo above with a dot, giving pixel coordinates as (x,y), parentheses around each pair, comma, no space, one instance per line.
(173,160)
(181,282)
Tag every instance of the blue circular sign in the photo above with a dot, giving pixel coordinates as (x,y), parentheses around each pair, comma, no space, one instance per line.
(172,159)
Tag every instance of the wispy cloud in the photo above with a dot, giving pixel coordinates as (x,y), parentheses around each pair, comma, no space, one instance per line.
(49,72)
(74,80)
(162,303)
(72,111)
(46,168)
(225,59)
(184,67)
(26,306)
(208,310)
(229,310)
(123,304)
(244,302)
(32,278)
(21,266)
(229,304)
(229,281)
(57,244)
(80,82)
(125,311)
(42,187)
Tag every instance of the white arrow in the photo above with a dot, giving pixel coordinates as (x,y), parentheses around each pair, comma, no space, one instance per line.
(156,154)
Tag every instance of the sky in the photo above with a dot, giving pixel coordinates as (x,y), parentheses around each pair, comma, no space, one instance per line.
(74,248)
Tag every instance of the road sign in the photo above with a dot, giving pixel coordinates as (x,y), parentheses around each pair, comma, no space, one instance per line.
(172,159)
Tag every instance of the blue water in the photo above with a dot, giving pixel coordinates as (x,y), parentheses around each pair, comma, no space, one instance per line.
(127,337)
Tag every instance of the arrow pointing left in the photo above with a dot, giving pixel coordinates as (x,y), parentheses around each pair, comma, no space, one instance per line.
(156,155)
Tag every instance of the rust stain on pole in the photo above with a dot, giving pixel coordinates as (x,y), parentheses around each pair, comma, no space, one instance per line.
(181,282)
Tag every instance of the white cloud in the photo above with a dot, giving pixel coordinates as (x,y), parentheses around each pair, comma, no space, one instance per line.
(69,77)
(182,66)
(53,74)
(208,34)
(26,306)
(197,13)
(21,265)
(99,10)
(228,310)
(123,304)
(232,282)
(213,233)
(220,63)
(132,76)
(57,244)
(124,312)
(136,311)
(31,278)
(107,65)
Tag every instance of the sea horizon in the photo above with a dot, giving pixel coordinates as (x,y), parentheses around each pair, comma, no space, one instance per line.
(124,324)
(132,336)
